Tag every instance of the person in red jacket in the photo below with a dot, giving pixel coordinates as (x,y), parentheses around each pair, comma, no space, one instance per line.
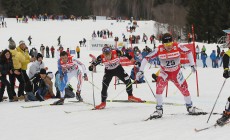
(111,60)
(52,51)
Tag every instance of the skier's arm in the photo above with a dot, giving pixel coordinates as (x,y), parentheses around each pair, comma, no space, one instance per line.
(97,61)
(145,60)
(80,64)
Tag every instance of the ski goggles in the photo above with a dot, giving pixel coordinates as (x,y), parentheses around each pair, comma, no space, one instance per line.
(168,44)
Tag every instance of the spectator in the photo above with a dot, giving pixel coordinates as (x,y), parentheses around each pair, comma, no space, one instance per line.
(203,48)
(30,38)
(52,51)
(218,51)
(47,52)
(42,50)
(78,51)
(18,59)
(59,40)
(213,58)
(6,67)
(203,58)
(221,57)
(134,71)
(197,52)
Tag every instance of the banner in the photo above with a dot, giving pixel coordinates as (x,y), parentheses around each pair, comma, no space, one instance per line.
(97,45)
(184,58)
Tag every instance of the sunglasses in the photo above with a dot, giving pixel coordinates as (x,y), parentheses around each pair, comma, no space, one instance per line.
(168,44)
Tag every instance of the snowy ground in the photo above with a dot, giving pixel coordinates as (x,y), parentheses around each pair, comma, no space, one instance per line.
(119,121)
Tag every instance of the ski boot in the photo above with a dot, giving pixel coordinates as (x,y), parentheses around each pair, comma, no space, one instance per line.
(157,114)
(100,106)
(131,98)
(59,102)
(78,96)
(225,117)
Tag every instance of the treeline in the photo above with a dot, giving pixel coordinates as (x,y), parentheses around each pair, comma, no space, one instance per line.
(210,17)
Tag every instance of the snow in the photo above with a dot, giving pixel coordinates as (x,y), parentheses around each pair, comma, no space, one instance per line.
(119,121)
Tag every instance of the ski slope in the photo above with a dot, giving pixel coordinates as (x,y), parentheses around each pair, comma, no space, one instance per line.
(119,121)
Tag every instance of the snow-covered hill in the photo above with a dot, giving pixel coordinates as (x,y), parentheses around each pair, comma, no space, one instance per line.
(119,121)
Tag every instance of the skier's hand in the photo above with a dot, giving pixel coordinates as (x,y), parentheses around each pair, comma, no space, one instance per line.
(193,68)
(85,77)
(226,74)
(91,68)
(139,75)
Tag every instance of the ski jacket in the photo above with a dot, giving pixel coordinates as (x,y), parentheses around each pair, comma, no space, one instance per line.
(114,62)
(26,58)
(17,58)
(169,61)
(35,68)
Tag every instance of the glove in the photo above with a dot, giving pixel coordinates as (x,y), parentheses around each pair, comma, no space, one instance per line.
(85,77)
(91,68)
(226,74)
(139,75)
(193,68)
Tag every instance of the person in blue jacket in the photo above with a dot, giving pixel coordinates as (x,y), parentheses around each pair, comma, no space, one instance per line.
(213,58)
(203,58)
(134,70)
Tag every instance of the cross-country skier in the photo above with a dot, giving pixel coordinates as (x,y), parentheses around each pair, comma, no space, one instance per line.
(111,60)
(226,114)
(169,56)
(68,68)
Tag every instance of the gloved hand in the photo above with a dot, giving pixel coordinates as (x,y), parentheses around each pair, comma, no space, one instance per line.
(85,77)
(91,68)
(139,75)
(193,67)
(226,74)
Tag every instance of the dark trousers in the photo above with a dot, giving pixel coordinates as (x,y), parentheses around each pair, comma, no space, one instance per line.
(52,54)
(25,76)
(78,54)
(5,83)
(21,83)
(122,75)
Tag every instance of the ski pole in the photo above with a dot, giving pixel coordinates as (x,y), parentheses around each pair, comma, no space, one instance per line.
(149,87)
(93,91)
(216,100)
(123,90)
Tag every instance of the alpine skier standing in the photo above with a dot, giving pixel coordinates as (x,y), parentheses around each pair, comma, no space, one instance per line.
(169,56)
(111,60)
(226,113)
(68,68)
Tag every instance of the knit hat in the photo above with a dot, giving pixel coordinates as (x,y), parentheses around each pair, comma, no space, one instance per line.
(21,42)
(167,38)
(12,44)
(42,71)
(39,55)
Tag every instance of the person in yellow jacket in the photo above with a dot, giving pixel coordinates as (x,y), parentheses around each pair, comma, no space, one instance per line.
(23,52)
(17,63)
(78,51)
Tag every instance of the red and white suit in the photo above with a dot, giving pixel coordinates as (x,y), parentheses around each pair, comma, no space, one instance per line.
(170,69)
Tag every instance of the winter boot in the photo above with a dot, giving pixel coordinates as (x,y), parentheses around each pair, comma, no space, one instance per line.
(100,106)
(15,98)
(59,102)
(158,113)
(78,96)
(26,98)
(20,98)
(134,99)
(225,117)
